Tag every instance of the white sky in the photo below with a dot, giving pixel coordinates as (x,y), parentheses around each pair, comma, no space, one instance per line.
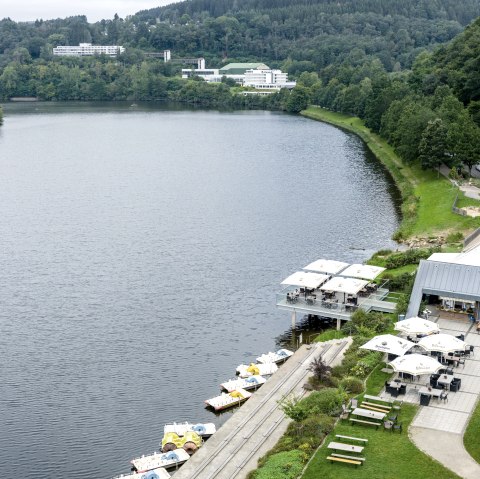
(95,10)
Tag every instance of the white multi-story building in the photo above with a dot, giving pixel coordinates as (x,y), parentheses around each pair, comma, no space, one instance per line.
(256,75)
(88,50)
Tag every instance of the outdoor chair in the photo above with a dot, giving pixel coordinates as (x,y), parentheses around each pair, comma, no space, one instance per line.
(397,405)
(462,362)
(449,371)
(397,427)
(393,418)
(403,389)
(444,396)
(387,425)
(455,385)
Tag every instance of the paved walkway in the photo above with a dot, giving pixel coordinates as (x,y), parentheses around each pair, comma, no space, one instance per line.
(438,428)
(233,451)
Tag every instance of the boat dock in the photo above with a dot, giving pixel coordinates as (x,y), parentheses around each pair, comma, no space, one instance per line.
(233,451)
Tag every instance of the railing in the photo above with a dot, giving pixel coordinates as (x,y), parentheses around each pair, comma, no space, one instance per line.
(458,211)
(471,237)
(318,304)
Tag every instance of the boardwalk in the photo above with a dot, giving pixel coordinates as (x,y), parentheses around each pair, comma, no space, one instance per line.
(256,427)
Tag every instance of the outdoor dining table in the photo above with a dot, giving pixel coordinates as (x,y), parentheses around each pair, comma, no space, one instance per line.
(340,446)
(368,414)
(430,392)
(445,379)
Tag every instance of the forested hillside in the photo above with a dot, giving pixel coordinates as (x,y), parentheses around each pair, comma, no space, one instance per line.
(314,32)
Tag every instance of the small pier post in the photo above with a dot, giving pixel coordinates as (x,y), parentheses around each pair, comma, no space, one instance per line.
(339,324)
(294,318)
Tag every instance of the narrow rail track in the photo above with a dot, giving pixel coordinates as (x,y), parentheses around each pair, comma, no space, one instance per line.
(241,438)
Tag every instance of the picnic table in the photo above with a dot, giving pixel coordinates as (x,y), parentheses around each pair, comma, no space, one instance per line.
(378,399)
(368,413)
(340,446)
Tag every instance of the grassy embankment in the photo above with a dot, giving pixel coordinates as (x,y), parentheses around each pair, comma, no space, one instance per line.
(427,198)
(472,435)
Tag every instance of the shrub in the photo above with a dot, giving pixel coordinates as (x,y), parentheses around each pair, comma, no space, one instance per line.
(327,401)
(454,237)
(286,464)
(321,371)
(352,385)
(411,256)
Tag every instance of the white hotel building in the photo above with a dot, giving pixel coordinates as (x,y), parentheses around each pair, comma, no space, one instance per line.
(88,50)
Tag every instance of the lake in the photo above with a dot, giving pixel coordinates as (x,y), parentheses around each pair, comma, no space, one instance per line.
(141,250)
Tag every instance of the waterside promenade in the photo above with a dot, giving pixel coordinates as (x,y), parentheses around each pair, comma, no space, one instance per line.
(233,451)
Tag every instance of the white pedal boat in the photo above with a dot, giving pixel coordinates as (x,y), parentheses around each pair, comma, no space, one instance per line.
(279,357)
(226,400)
(252,382)
(155,474)
(204,429)
(256,369)
(167,460)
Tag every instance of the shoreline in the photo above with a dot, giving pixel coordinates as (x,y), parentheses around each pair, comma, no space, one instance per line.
(384,153)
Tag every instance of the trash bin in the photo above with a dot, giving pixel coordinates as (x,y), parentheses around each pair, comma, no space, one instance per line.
(424,399)
(401,317)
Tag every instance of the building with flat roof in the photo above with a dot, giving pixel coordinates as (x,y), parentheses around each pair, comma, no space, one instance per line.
(88,50)
(241,68)
(451,281)
(255,75)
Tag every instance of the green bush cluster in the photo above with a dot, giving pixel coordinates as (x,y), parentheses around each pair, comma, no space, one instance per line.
(401,283)
(411,256)
(352,385)
(286,464)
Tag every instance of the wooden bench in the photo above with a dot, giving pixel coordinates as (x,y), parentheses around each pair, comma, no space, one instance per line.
(373,408)
(362,421)
(356,462)
(381,406)
(359,439)
(355,458)
(379,399)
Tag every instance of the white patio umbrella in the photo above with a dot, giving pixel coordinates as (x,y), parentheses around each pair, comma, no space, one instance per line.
(388,343)
(416,364)
(307,280)
(443,343)
(364,271)
(416,325)
(326,266)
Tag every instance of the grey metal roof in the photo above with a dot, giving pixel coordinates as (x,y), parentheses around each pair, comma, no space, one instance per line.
(444,279)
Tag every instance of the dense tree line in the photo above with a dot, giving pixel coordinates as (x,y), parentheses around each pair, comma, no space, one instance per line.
(430,114)
(315,32)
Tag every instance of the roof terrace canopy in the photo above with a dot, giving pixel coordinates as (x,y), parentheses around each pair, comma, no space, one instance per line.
(326,266)
(344,285)
(307,280)
(365,271)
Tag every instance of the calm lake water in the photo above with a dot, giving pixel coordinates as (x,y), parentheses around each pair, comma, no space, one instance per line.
(141,250)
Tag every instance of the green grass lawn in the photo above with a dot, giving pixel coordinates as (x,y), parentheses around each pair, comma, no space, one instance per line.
(329,334)
(435,195)
(388,455)
(471,438)
(376,380)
